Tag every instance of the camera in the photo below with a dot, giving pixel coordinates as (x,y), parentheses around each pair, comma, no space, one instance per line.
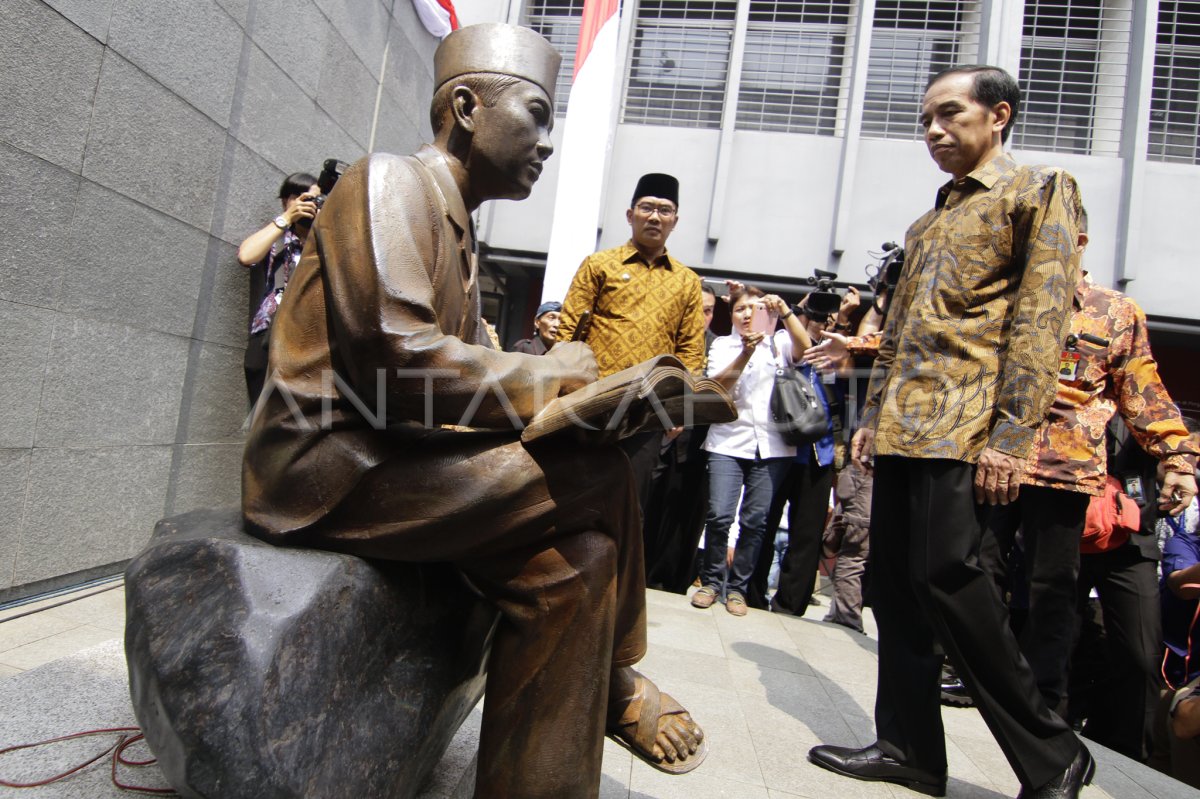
(331,170)
(885,275)
(823,300)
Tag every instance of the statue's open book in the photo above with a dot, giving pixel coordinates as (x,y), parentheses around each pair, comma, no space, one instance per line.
(658,393)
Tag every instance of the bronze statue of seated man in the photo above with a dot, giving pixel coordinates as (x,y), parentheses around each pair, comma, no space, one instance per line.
(378,365)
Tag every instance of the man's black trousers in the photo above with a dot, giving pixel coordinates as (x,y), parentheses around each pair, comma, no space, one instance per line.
(927,585)
(1051,523)
(1121,715)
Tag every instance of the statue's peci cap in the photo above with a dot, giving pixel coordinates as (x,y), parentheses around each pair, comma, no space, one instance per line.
(498,48)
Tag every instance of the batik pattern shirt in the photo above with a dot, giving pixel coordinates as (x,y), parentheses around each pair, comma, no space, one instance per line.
(285,254)
(867,344)
(639,310)
(1096,382)
(969,352)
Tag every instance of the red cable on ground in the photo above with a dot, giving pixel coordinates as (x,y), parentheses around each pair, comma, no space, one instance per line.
(118,757)
(117,750)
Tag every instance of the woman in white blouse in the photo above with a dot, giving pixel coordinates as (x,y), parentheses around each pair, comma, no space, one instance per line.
(746,453)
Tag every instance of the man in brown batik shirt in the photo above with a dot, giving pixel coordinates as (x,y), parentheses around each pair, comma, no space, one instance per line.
(965,373)
(1106,367)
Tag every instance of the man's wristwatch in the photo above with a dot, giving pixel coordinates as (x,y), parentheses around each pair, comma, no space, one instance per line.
(281,222)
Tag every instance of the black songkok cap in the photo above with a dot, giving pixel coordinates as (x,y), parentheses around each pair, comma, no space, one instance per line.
(656,184)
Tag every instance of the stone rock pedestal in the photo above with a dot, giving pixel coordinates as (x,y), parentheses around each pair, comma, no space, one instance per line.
(260,672)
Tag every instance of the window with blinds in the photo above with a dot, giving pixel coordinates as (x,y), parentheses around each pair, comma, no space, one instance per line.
(793,66)
(558,21)
(911,41)
(1074,68)
(679,62)
(1175,96)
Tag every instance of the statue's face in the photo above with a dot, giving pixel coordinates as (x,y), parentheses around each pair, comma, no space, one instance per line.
(511,141)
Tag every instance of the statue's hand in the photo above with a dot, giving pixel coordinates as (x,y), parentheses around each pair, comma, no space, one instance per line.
(577,365)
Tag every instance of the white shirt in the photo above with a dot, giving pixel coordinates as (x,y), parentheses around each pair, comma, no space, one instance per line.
(748,433)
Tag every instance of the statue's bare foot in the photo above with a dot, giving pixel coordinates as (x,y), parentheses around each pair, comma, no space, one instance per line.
(652,725)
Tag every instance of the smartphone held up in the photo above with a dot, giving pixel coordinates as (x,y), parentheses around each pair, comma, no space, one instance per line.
(760,320)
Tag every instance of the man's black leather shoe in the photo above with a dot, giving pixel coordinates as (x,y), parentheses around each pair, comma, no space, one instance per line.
(955,694)
(1068,784)
(872,763)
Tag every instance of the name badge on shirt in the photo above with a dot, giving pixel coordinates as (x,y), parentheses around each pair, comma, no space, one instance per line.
(1068,366)
(1133,487)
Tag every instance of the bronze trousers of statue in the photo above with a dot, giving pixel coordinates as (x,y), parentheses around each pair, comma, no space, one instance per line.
(551,533)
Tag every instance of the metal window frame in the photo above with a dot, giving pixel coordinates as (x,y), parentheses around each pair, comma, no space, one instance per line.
(1174,133)
(1074,110)
(809,101)
(564,36)
(693,97)
(896,76)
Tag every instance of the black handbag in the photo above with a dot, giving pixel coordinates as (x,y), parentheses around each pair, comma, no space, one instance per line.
(797,409)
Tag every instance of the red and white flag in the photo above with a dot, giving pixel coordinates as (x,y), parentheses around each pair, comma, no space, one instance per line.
(437,16)
(586,132)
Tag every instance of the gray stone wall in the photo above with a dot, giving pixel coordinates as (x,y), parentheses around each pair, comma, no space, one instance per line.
(140,142)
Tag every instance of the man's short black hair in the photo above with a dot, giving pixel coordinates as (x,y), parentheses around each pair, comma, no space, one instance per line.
(990,85)
(707,289)
(296,184)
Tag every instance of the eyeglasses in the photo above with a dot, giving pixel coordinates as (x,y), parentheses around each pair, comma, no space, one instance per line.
(647,209)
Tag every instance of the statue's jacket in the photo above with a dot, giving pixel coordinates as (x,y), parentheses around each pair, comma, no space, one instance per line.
(377,346)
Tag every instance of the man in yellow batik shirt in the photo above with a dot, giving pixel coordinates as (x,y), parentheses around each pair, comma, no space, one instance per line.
(643,303)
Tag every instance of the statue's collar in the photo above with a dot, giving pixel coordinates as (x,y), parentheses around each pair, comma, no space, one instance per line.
(435,161)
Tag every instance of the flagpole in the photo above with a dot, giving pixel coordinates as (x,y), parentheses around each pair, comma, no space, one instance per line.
(586,131)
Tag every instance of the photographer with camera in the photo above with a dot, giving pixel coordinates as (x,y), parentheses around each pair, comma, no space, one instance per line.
(276,247)
(846,537)
(837,346)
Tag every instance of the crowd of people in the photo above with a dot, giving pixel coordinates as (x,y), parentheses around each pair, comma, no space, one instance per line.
(1048,460)
(973,498)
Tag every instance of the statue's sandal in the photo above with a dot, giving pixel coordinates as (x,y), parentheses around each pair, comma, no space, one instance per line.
(638,726)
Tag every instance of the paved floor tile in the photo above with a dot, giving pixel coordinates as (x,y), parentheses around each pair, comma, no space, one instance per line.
(668,664)
(20,632)
(105,609)
(47,650)
(698,784)
(686,628)
(752,679)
